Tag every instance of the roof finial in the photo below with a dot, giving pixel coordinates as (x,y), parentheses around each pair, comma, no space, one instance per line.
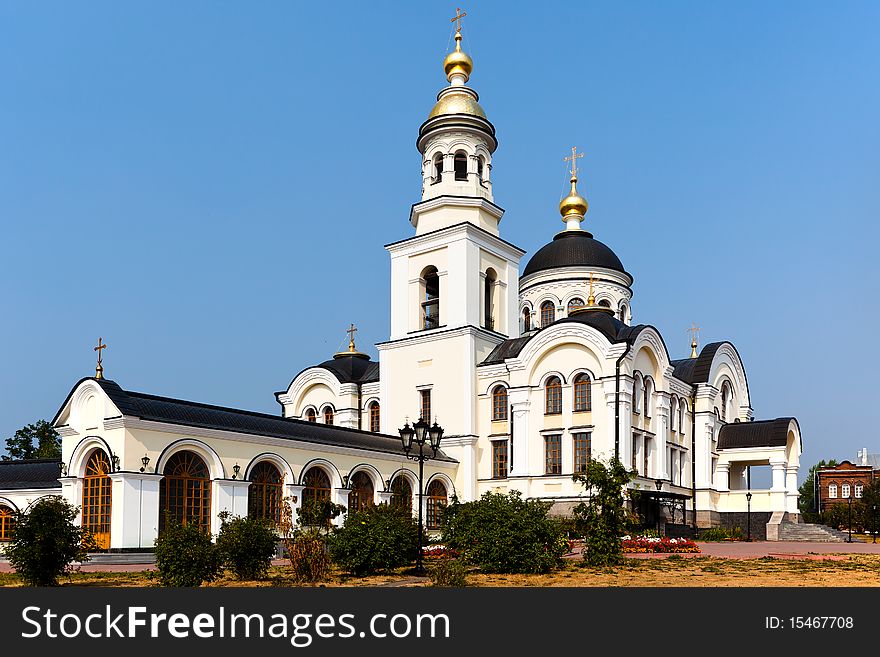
(99,369)
(574,206)
(458,65)
(352,350)
(694,330)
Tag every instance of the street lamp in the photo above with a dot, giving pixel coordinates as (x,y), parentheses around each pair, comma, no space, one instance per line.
(419,433)
(658,483)
(874,522)
(849,519)
(749,517)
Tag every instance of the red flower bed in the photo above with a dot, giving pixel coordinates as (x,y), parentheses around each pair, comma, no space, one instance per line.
(642,545)
(435,551)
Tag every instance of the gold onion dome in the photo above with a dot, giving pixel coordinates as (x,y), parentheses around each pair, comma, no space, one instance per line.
(458,62)
(574,203)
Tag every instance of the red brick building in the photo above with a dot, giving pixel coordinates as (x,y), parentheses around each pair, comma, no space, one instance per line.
(838,483)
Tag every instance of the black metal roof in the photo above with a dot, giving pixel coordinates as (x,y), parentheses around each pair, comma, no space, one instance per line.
(352,368)
(207,416)
(573,248)
(763,433)
(36,473)
(696,370)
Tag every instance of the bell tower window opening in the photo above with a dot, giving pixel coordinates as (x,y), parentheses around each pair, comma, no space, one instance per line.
(431,300)
(527,320)
(548,313)
(480,166)
(488,301)
(460,165)
(438,168)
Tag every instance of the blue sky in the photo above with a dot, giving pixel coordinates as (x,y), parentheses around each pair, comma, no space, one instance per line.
(208,185)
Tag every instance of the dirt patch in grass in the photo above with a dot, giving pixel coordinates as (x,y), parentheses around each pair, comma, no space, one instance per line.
(850,570)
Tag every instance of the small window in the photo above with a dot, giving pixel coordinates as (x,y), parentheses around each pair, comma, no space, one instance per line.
(582,393)
(553,396)
(374,417)
(425,396)
(438,168)
(499,459)
(489,300)
(605,303)
(574,304)
(581,451)
(858,490)
(548,313)
(832,490)
(527,320)
(499,403)
(844,491)
(460,163)
(311,416)
(647,401)
(328,415)
(480,166)
(553,454)
(431,301)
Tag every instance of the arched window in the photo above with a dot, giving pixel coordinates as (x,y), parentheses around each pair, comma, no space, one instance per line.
(460,165)
(374,417)
(582,401)
(489,301)
(553,396)
(431,300)
(622,314)
(527,320)
(311,416)
(682,406)
(265,492)
(185,493)
(844,491)
(859,489)
(574,304)
(548,313)
(605,303)
(481,163)
(401,494)
(637,394)
(647,401)
(361,494)
(832,490)
(725,399)
(7,523)
(328,415)
(96,498)
(316,485)
(437,499)
(499,403)
(673,412)
(438,167)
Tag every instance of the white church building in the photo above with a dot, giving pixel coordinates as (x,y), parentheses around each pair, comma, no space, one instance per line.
(531,372)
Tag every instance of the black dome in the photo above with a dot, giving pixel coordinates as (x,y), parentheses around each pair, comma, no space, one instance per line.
(573,248)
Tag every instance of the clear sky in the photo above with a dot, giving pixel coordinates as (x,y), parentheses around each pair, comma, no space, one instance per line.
(208,185)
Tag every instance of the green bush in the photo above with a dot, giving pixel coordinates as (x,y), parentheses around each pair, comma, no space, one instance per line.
(837,515)
(318,513)
(448,572)
(712,534)
(308,554)
(375,538)
(246,546)
(46,542)
(504,534)
(185,555)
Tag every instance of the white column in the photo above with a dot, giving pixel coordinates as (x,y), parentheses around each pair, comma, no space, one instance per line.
(384,497)
(778,468)
(662,424)
(791,504)
(340,496)
(72,492)
(134,509)
(293,493)
(723,472)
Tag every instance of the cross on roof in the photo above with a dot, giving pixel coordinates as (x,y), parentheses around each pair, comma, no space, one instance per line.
(694,330)
(99,369)
(459,14)
(573,159)
(351,332)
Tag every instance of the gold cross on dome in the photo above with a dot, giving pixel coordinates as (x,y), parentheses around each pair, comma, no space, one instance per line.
(351,331)
(99,369)
(694,330)
(459,14)
(573,159)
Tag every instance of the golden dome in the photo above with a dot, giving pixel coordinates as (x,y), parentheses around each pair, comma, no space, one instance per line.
(457,103)
(458,62)
(574,203)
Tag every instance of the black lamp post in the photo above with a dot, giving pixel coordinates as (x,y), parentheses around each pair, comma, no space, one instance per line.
(749,517)
(874,522)
(419,433)
(658,484)
(849,519)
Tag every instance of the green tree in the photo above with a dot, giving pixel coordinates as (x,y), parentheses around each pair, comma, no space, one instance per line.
(375,538)
(34,441)
(46,542)
(807,501)
(246,545)
(871,499)
(186,556)
(603,518)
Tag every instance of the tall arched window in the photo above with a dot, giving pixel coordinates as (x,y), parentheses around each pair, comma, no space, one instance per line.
(725,400)
(460,165)
(437,499)
(527,320)
(605,303)
(431,300)
(265,492)
(488,299)
(316,491)
(401,494)
(844,491)
(682,406)
(582,397)
(374,417)
(7,523)
(574,304)
(673,412)
(96,498)
(311,416)
(438,167)
(548,313)
(637,393)
(185,493)
(499,403)
(553,396)
(328,415)
(622,314)
(646,403)
(481,164)
(832,490)
(361,494)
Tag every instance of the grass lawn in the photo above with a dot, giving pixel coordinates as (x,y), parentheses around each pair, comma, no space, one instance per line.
(849,570)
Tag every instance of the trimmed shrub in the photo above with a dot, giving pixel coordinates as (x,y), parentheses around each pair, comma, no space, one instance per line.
(448,572)
(308,554)
(185,556)
(46,542)
(376,538)
(504,534)
(246,546)
(713,534)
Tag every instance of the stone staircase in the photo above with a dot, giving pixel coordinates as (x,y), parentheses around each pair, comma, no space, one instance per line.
(791,531)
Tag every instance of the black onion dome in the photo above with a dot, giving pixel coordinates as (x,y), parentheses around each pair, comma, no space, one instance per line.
(352,368)
(573,248)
